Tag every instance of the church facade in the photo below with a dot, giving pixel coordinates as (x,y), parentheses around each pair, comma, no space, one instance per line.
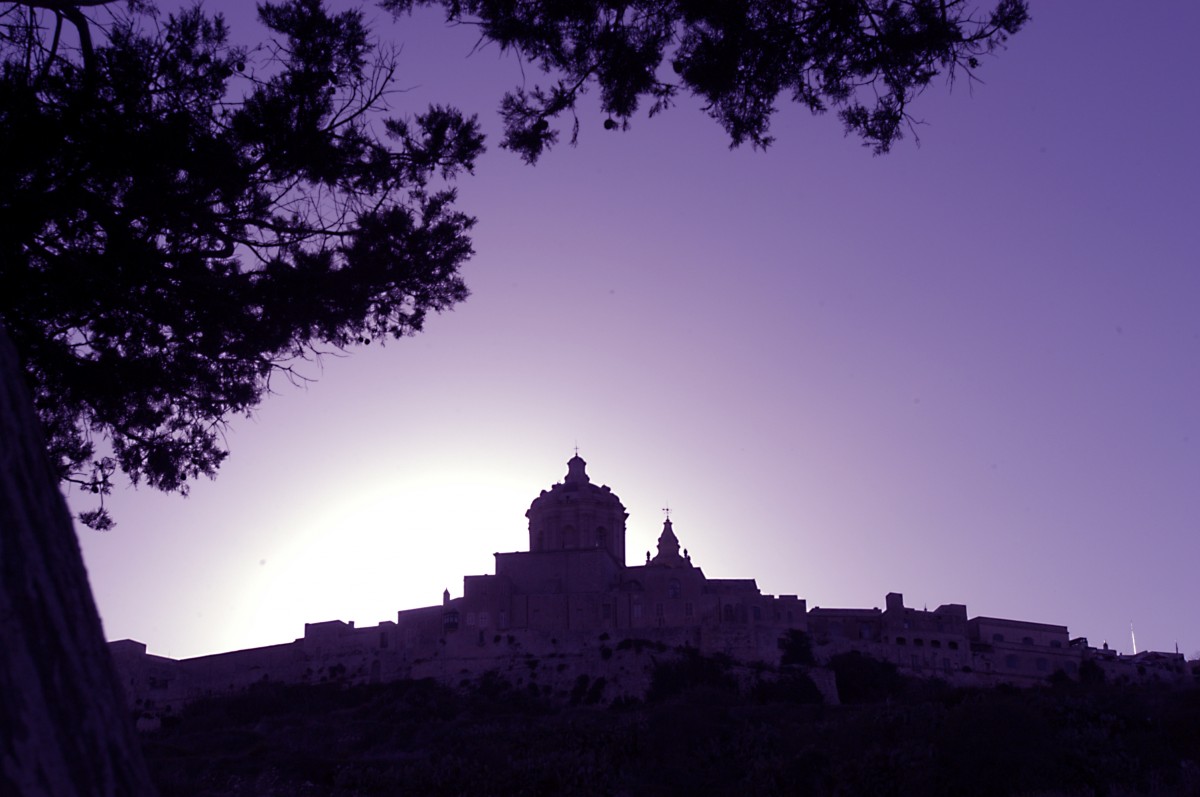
(570,606)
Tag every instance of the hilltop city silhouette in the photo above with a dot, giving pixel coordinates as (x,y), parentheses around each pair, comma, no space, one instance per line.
(571,606)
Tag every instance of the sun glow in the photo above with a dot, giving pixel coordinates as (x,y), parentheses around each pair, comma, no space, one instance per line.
(362,552)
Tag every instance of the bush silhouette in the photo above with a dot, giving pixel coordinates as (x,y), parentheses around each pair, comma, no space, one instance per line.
(862,679)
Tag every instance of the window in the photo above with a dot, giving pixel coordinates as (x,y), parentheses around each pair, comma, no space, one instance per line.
(757,613)
(658,610)
(997,637)
(673,589)
(1011,662)
(601,537)
(570,537)
(1027,640)
(1055,643)
(470,618)
(483,619)
(687,609)
(935,643)
(1042,665)
(901,640)
(919,642)
(637,611)
(916,662)
(383,641)
(606,611)
(952,645)
(727,613)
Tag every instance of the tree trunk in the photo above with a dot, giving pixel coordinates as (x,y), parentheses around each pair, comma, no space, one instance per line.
(64,727)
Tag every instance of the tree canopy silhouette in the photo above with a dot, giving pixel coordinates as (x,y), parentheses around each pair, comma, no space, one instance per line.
(869,59)
(186,219)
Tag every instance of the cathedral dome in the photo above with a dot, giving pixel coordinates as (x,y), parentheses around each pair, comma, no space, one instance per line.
(577,514)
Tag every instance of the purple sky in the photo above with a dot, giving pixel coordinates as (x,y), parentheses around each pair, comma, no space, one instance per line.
(968,371)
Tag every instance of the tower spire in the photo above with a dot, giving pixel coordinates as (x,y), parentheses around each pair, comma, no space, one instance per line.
(668,545)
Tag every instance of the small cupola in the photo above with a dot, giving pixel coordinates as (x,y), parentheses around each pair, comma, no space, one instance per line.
(576,471)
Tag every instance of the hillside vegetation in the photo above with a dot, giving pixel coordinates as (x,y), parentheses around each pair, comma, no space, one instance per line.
(698,732)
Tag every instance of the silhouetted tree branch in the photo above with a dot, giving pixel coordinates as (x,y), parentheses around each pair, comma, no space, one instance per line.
(869,59)
(186,217)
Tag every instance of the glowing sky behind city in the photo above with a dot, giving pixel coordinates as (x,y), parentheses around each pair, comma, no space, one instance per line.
(968,371)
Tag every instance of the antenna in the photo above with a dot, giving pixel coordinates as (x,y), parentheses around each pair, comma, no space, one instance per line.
(1132,637)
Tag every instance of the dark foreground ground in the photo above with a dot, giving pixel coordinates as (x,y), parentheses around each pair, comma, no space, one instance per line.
(697,733)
